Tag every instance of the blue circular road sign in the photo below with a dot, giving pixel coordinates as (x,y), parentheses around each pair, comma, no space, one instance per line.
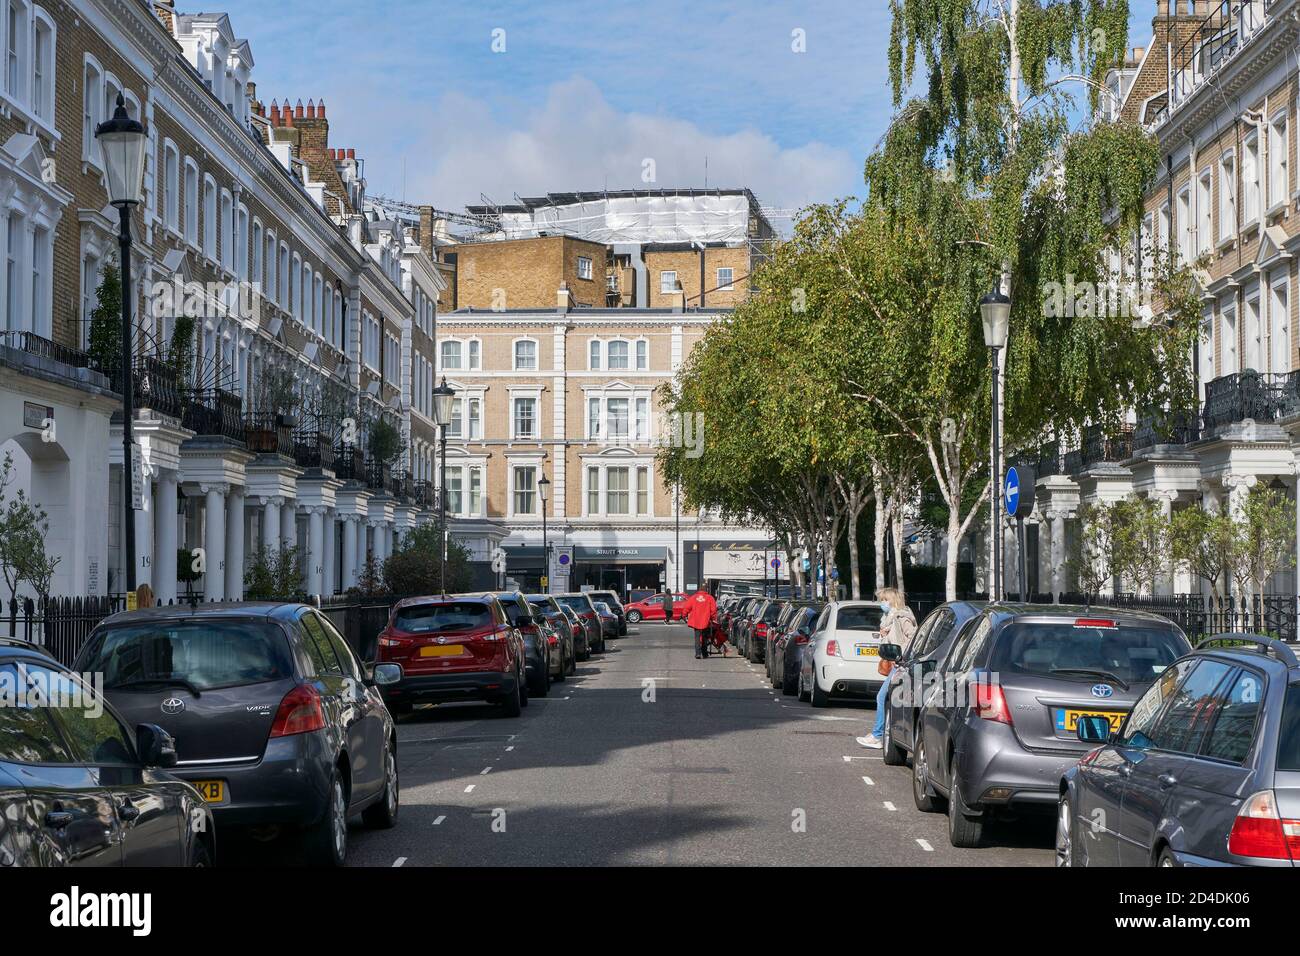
(1011,491)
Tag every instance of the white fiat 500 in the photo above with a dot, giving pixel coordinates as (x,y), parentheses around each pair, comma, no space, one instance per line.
(842,659)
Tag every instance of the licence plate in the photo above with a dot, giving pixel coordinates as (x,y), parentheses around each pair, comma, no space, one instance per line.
(212,791)
(1067,720)
(442,650)
(867,650)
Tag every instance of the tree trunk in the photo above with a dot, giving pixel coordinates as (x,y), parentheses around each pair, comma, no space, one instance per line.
(897,523)
(855,576)
(954,552)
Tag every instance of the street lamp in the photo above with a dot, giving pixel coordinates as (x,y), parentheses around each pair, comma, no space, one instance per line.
(995,311)
(543,489)
(122,144)
(443,396)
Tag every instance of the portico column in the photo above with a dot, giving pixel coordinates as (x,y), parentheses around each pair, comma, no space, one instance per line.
(315,549)
(350,525)
(1058,554)
(214,542)
(1165,579)
(363,548)
(164,523)
(288,526)
(144,544)
(271,525)
(235,545)
(328,584)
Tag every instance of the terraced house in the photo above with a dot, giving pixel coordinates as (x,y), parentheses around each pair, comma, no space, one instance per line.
(283,347)
(1217,85)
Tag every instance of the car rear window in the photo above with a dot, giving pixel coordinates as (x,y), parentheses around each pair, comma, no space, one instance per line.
(1133,653)
(858,618)
(443,616)
(1288,738)
(206,653)
(577,603)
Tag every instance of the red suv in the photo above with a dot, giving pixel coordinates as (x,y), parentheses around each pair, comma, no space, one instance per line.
(460,647)
(652,608)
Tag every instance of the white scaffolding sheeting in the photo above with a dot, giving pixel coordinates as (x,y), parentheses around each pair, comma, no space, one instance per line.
(641,219)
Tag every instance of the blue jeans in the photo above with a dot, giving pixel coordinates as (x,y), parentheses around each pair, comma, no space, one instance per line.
(881,696)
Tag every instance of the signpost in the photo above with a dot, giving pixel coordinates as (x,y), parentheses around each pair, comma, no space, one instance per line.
(1020,478)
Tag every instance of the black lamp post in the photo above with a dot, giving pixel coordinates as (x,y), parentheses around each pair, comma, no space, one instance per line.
(543,492)
(122,144)
(995,311)
(443,396)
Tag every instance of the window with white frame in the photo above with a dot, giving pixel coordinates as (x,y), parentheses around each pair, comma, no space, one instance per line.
(450,355)
(593,354)
(584,267)
(43,66)
(642,355)
(616,490)
(92,105)
(460,354)
(227,231)
(284,276)
(473,351)
(523,417)
(616,354)
(191,202)
(525,355)
(667,282)
(1227,196)
(726,279)
(1184,225)
(210,218)
(259,253)
(1162,229)
(294,304)
(1205,351)
(1278,161)
(618,417)
(1279,322)
(1250,179)
(523,484)
(465,490)
(1204,213)
(171,186)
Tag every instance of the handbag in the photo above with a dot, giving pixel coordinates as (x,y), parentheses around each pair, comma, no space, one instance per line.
(886,668)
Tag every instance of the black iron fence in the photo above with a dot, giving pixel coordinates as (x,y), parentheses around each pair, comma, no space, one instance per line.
(266,433)
(42,347)
(1248,395)
(214,412)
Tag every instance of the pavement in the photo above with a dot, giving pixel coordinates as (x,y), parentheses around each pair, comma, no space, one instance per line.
(650,757)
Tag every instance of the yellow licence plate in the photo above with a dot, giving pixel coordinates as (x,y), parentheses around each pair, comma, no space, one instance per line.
(442,650)
(1067,721)
(213,791)
(868,650)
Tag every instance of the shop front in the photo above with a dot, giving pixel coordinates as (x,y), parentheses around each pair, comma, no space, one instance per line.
(624,569)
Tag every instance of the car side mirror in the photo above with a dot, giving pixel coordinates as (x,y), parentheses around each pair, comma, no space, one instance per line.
(156,747)
(890,652)
(1093,730)
(384,674)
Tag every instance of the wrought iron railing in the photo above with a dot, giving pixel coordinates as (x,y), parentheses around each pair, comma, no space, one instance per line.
(267,433)
(42,347)
(214,412)
(314,449)
(1210,44)
(1101,448)
(1246,396)
(1166,428)
(1049,460)
(379,476)
(349,464)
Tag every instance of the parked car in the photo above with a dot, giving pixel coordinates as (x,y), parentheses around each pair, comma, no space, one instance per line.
(561,637)
(652,608)
(608,621)
(776,634)
(998,726)
(754,635)
(458,647)
(735,615)
(616,605)
(78,787)
(1204,771)
(581,633)
(914,668)
(275,721)
(537,646)
(842,658)
(586,610)
(787,652)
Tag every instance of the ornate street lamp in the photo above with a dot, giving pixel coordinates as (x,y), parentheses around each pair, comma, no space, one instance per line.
(443,396)
(995,311)
(543,492)
(122,143)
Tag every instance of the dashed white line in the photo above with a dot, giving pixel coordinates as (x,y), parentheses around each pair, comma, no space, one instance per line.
(868,781)
(438,822)
(890,807)
(484,771)
(470,788)
(399,861)
(924,845)
(510,748)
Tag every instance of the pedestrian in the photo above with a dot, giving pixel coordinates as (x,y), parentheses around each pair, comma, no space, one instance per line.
(668,608)
(702,610)
(896,627)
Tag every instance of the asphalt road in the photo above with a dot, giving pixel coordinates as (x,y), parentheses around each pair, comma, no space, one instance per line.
(716,769)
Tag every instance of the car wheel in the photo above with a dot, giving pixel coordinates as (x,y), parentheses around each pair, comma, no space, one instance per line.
(1066,853)
(803,694)
(817,696)
(201,857)
(789,687)
(564,666)
(542,685)
(963,829)
(522,683)
(512,704)
(634,617)
(1166,858)
(922,794)
(892,754)
(400,709)
(326,843)
(382,815)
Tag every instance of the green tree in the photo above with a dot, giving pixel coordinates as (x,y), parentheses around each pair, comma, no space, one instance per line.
(1139,542)
(106,322)
(1265,534)
(415,566)
(385,441)
(24,527)
(1092,558)
(1202,542)
(275,574)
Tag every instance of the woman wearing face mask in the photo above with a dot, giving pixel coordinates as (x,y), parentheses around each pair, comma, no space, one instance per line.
(896,627)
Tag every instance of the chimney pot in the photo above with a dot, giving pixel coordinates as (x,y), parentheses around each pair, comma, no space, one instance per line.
(352,153)
(311,109)
(275,113)
(298,111)
(320,110)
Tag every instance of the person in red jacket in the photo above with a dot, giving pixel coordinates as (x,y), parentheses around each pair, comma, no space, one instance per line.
(700,611)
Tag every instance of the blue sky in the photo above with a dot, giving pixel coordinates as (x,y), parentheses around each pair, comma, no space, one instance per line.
(584,93)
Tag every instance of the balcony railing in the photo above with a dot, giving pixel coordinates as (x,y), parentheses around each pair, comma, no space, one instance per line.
(1049,460)
(155,386)
(42,347)
(1212,43)
(1100,448)
(214,412)
(1166,428)
(1248,396)
(349,464)
(314,449)
(379,476)
(269,434)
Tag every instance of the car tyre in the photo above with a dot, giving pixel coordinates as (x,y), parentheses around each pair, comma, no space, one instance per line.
(512,704)
(1067,853)
(803,694)
(892,754)
(634,617)
(963,829)
(326,842)
(789,688)
(923,795)
(542,685)
(382,814)
(817,696)
(201,855)
(564,666)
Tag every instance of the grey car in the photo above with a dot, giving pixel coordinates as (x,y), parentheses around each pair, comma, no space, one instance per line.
(275,721)
(1205,771)
(998,724)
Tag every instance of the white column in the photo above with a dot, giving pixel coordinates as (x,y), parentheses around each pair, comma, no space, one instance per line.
(214,543)
(328,584)
(350,525)
(144,543)
(315,550)
(1165,579)
(1058,552)
(164,522)
(288,526)
(362,546)
(271,524)
(235,545)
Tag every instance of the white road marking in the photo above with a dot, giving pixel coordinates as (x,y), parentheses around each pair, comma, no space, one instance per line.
(470,788)
(438,822)
(483,771)
(868,781)
(925,845)
(510,748)
(861,757)
(399,861)
(890,807)
(826,717)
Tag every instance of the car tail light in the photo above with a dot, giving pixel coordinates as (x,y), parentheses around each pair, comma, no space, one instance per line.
(801,639)
(553,640)
(300,712)
(1260,831)
(392,640)
(760,629)
(991,702)
(832,648)
(1095,622)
